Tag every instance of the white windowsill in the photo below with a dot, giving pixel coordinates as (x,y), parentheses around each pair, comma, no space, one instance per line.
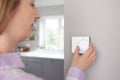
(44,54)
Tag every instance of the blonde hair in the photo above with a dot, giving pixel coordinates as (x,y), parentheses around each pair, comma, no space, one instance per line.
(6,8)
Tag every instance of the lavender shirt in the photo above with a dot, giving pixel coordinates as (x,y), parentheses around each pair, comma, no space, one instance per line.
(11,64)
(75,74)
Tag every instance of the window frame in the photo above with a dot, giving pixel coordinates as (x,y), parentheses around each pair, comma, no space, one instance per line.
(42,23)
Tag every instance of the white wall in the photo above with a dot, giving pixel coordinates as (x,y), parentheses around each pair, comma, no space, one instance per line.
(51,10)
(99,19)
(43,3)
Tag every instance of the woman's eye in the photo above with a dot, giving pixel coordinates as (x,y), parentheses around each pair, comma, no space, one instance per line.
(32,5)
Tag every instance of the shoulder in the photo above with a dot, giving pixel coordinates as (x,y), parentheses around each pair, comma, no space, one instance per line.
(17,74)
(28,76)
(21,75)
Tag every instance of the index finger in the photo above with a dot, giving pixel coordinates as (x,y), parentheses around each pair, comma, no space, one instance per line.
(76,52)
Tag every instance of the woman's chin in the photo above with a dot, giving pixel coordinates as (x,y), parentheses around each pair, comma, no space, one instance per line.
(26,37)
(30,34)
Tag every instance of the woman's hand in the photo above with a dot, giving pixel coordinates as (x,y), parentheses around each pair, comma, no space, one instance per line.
(84,61)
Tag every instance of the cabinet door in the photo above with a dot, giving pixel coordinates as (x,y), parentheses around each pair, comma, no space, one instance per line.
(53,69)
(34,68)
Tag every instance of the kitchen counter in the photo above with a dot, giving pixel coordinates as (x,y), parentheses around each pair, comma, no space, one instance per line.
(44,54)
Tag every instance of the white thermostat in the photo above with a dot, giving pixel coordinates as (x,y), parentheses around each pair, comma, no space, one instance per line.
(82,42)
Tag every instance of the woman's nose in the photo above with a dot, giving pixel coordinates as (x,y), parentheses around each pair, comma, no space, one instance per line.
(37,14)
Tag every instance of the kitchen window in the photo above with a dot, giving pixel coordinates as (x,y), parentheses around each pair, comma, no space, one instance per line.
(51,33)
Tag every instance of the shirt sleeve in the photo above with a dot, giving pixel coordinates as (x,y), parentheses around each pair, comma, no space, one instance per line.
(75,74)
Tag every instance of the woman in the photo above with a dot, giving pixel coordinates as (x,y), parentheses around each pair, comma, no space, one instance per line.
(16,21)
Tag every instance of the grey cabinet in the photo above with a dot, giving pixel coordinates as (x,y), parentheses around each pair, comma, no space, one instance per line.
(49,69)
(34,68)
(33,65)
(53,69)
